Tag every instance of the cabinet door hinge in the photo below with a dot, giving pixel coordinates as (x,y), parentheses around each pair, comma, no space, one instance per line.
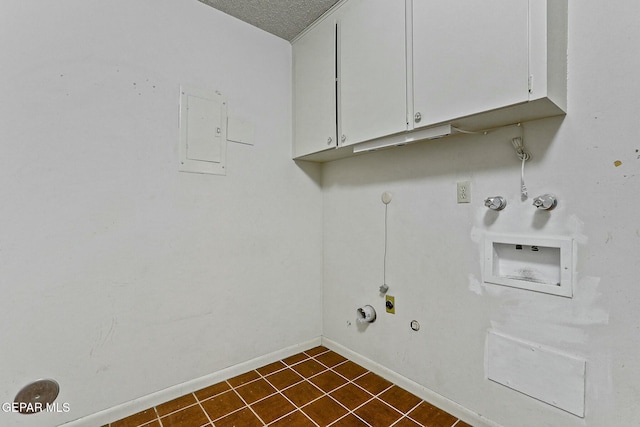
(530,83)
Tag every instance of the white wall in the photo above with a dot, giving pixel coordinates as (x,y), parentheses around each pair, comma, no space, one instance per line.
(120,276)
(434,256)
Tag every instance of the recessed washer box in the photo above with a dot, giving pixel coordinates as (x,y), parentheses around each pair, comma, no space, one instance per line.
(541,264)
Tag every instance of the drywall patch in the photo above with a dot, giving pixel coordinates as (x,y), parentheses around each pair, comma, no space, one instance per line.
(600,384)
(585,312)
(477,235)
(576,225)
(562,334)
(475,285)
(540,372)
(550,319)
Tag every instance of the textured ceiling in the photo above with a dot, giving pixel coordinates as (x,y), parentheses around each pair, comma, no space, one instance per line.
(284,18)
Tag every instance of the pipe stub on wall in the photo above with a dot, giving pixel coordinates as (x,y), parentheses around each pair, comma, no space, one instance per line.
(366,314)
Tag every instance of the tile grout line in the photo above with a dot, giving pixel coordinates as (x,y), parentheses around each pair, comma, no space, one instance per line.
(296,408)
(202,407)
(278,391)
(319,354)
(414,420)
(144,423)
(407,415)
(417,404)
(261,376)
(349,381)
(302,380)
(307,379)
(403,414)
(243,384)
(324,393)
(424,401)
(374,396)
(346,415)
(257,401)
(173,412)
(229,413)
(235,410)
(248,406)
(270,373)
(409,418)
(213,395)
(362,388)
(272,394)
(158,416)
(286,365)
(232,389)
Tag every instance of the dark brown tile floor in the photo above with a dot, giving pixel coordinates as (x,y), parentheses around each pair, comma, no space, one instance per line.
(316,388)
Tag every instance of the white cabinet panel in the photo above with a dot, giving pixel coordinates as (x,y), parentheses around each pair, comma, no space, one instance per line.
(539,372)
(314,68)
(469,57)
(372,69)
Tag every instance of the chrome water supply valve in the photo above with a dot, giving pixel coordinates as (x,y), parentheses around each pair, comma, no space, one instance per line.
(545,202)
(496,203)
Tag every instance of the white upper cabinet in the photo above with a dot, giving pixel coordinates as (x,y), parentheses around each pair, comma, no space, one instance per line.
(475,61)
(468,56)
(371,69)
(548,52)
(314,90)
(380,69)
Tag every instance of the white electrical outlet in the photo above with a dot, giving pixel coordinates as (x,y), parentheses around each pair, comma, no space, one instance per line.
(464,192)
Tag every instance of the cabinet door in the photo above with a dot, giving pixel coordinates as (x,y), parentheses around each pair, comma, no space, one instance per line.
(314,77)
(469,56)
(371,69)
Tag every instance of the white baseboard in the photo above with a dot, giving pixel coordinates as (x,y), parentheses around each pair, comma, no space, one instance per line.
(129,408)
(422,392)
